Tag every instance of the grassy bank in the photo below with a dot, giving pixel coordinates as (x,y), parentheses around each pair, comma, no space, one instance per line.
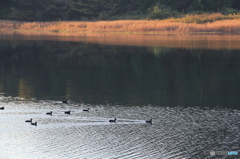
(193,23)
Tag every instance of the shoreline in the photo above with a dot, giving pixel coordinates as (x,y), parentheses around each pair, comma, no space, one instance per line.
(118,33)
(169,40)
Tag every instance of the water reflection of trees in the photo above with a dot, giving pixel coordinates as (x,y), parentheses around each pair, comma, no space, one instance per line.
(117,74)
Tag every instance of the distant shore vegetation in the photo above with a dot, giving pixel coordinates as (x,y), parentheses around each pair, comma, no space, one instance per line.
(121,15)
(215,22)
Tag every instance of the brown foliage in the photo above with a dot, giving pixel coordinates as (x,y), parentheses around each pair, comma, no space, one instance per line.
(229,25)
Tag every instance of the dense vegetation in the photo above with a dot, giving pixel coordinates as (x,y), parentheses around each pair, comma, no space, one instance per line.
(52,10)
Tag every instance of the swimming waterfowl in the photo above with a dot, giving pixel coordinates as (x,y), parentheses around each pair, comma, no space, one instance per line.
(149,121)
(2,108)
(49,113)
(34,123)
(86,110)
(113,121)
(65,101)
(29,120)
(67,112)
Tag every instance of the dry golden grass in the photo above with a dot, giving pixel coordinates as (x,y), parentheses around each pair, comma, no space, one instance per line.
(171,25)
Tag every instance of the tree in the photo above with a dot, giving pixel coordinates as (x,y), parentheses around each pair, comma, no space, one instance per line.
(216,5)
(196,5)
(180,5)
(46,10)
(80,8)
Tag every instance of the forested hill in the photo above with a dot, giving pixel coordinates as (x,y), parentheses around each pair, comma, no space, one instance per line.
(52,10)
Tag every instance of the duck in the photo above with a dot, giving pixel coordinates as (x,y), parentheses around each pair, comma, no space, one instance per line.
(86,110)
(65,101)
(29,120)
(34,123)
(113,121)
(2,108)
(67,112)
(49,113)
(149,121)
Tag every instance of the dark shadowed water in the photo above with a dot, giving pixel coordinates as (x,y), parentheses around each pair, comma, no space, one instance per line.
(190,91)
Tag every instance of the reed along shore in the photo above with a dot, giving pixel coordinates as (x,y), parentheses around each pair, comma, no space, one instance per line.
(125,26)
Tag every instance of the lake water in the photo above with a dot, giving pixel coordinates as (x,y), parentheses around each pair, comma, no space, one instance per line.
(188,85)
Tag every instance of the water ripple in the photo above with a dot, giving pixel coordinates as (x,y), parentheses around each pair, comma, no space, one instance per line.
(176,132)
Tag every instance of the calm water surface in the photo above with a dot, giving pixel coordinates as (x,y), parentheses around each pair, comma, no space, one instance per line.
(188,85)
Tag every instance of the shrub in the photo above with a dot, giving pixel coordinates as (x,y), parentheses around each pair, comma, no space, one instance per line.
(161,12)
(227,11)
(203,18)
(104,15)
